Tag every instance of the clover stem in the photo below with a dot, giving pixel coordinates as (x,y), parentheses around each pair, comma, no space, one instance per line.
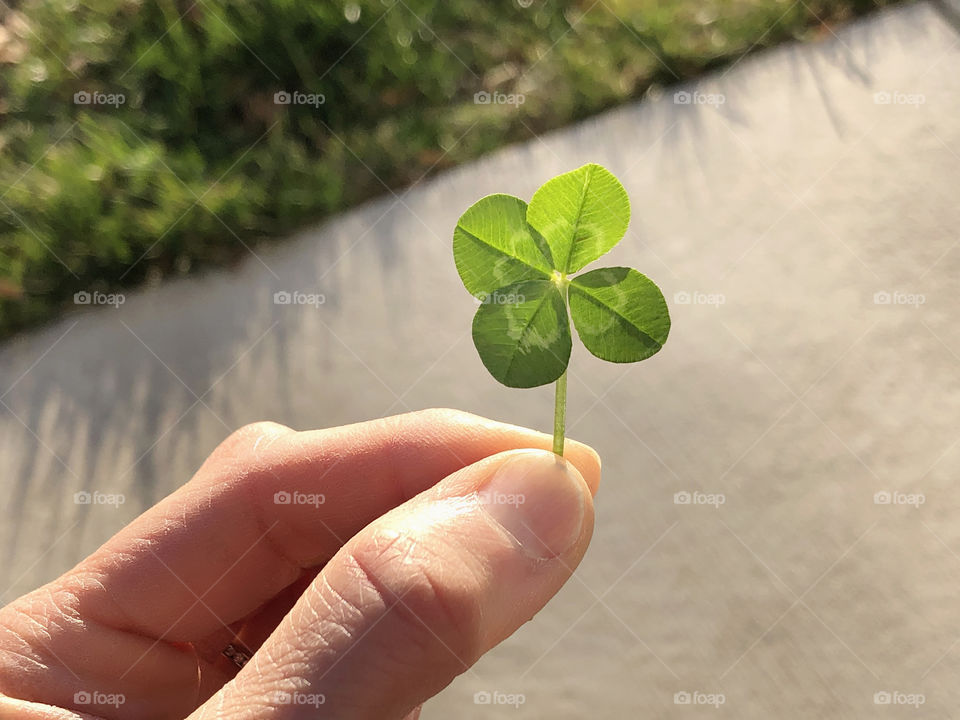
(559,414)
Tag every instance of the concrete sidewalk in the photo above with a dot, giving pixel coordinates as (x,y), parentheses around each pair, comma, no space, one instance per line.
(805,234)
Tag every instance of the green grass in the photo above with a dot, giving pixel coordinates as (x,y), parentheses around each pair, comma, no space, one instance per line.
(199,162)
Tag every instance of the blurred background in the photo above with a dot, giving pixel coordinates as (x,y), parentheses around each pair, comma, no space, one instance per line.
(183,153)
(776,533)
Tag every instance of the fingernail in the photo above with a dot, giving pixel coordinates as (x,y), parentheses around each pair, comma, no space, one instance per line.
(538,498)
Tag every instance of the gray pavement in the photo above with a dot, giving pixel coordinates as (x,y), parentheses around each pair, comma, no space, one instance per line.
(812,226)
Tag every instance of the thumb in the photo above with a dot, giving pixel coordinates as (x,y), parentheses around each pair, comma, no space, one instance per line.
(420,594)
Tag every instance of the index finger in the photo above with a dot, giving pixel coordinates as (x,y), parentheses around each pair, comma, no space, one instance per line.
(270,502)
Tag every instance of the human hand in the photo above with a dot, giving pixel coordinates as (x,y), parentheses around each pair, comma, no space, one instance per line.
(416,544)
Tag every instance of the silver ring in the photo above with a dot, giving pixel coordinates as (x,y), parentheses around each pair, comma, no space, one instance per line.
(238,653)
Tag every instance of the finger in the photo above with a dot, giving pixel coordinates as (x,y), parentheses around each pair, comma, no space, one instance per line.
(222,546)
(14,709)
(220,550)
(216,667)
(419,595)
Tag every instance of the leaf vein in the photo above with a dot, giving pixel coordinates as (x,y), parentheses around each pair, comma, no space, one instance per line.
(490,245)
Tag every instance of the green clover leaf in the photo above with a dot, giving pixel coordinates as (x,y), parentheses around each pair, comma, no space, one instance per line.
(493,246)
(582,214)
(517,261)
(522,333)
(620,314)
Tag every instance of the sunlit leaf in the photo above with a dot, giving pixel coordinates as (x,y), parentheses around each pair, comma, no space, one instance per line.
(581,214)
(522,333)
(619,313)
(518,261)
(493,246)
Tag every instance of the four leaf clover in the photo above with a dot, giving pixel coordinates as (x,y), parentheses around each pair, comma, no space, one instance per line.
(520,260)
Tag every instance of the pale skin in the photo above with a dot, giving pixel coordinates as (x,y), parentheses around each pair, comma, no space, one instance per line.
(438,535)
